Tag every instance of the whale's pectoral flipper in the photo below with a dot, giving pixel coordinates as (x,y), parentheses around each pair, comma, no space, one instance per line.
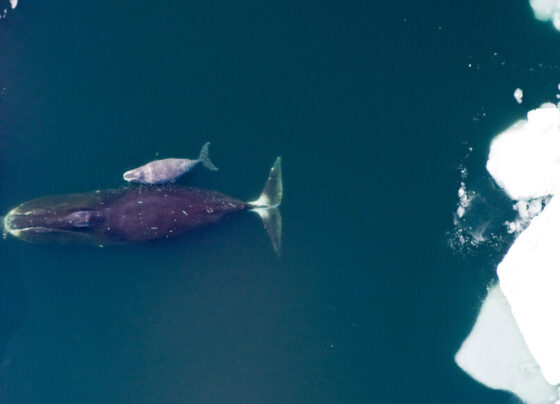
(84,218)
(268,203)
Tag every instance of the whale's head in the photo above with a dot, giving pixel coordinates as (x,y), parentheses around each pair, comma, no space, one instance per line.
(53,219)
(136,175)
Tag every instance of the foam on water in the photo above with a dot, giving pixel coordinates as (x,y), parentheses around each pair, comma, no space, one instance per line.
(481,210)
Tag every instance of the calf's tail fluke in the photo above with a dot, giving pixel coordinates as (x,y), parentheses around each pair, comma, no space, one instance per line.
(205,159)
(268,203)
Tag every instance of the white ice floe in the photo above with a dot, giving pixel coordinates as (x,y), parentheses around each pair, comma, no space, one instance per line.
(526,211)
(525,159)
(518,95)
(13,3)
(496,355)
(465,199)
(530,279)
(529,209)
(546,10)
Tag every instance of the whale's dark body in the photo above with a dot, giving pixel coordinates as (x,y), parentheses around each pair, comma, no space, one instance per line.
(137,214)
(118,216)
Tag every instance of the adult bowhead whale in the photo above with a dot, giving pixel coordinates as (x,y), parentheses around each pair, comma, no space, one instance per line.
(138,214)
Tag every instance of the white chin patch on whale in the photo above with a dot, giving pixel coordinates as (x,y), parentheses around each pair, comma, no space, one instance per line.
(130,176)
(7,224)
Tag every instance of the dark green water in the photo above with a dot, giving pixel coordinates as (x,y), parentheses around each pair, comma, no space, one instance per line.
(369,104)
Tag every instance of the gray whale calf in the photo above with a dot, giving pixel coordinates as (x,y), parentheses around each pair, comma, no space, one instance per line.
(168,170)
(139,214)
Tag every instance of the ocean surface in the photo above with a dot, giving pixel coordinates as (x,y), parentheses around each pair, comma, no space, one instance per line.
(375,108)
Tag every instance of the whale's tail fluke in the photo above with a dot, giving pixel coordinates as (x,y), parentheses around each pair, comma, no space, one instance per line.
(205,159)
(268,203)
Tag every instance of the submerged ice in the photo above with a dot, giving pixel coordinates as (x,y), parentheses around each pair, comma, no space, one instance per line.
(496,355)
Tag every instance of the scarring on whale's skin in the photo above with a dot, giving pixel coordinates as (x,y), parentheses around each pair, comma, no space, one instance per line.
(139,214)
(117,216)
